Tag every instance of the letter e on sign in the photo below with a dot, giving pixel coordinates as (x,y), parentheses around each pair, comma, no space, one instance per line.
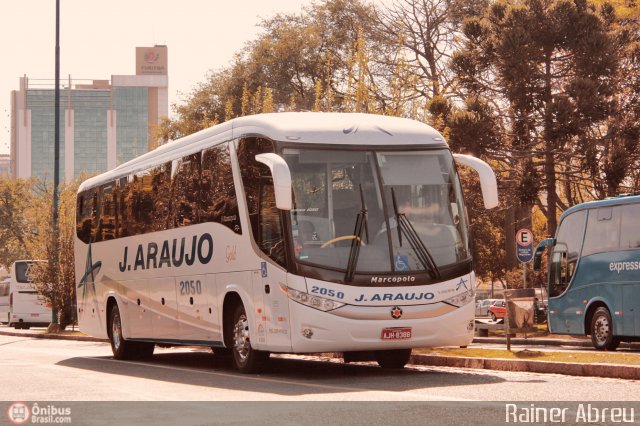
(524,237)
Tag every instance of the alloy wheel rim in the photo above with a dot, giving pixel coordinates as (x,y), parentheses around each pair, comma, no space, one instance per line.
(115,331)
(241,337)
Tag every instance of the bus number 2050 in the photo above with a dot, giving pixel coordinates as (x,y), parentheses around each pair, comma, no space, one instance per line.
(188,287)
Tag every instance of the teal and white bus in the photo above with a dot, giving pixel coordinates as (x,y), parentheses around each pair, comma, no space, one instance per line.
(594,272)
(285,233)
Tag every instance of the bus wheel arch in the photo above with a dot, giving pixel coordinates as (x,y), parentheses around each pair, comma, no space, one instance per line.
(236,329)
(599,324)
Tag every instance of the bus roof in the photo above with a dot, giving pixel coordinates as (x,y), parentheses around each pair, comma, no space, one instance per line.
(291,127)
(607,202)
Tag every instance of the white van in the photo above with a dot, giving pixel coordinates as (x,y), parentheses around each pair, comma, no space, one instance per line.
(26,307)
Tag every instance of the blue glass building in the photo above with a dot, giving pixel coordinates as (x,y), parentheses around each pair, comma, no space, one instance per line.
(103,123)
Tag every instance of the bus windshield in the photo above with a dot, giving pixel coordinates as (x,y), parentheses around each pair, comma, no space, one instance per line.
(410,203)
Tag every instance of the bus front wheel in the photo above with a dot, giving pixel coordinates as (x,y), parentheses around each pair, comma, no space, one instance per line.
(602,331)
(245,358)
(125,349)
(396,358)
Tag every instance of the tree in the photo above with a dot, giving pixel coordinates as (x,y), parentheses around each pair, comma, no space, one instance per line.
(56,281)
(330,46)
(16,227)
(546,66)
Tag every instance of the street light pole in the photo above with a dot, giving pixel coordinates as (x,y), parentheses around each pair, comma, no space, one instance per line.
(56,153)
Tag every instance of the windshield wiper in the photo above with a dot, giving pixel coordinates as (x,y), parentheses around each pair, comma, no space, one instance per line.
(354,252)
(422,252)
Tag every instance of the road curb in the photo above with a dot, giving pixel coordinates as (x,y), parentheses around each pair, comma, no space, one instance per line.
(533,341)
(51,336)
(580,343)
(615,371)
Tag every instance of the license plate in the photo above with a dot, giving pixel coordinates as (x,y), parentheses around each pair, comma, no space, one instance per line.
(396,333)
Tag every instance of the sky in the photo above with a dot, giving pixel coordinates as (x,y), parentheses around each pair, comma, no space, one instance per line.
(98,39)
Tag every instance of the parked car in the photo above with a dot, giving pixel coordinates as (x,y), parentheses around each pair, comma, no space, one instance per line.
(498,310)
(482,307)
(541,311)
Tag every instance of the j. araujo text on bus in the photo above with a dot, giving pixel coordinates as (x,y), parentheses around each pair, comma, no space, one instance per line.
(288,233)
(154,255)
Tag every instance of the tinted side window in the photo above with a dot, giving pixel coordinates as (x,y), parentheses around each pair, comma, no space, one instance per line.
(107,213)
(185,186)
(161,217)
(218,202)
(251,172)
(603,230)
(266,220)
(143,196)
(271,239)
(630,231)
(84,213)
(126,206)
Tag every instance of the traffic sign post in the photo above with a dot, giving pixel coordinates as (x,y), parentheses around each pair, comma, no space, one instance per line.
(524,250)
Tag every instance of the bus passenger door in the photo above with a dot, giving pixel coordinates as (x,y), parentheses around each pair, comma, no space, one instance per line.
(562,306)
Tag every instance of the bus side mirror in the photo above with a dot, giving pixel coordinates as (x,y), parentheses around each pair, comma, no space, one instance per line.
(488,182)
(541,247)
(281,179)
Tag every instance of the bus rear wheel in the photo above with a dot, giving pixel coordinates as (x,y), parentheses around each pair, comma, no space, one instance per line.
(396,358)
(125,349)
(602,331)
(245,358)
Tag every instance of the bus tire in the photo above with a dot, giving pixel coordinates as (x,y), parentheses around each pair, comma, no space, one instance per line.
(396,358)
(602,331)
(125,349)
(245,358)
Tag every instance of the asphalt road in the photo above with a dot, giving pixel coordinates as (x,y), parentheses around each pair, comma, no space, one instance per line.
(83,377)
(41,369)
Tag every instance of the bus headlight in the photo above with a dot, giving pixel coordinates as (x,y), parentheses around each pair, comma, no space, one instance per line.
(461,299)
(313,301)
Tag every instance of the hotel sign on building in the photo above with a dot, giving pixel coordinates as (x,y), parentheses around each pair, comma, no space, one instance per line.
(151,60)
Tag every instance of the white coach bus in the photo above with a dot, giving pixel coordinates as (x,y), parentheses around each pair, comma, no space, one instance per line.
(20,304)
(284,233)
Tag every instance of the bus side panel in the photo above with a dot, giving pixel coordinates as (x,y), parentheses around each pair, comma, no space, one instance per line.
(164,308)
(137,309)
(631,309)
(193,307)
